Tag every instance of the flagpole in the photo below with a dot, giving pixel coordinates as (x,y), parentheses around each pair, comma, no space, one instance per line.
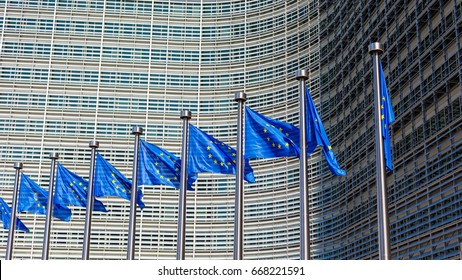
(240,97)
(302,76)
(375,49)
(181,234)
(46,237)
(137,131)
(14,208)
(90,202)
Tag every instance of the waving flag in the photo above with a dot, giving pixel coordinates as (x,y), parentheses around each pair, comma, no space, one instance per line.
(207,154)
(160,167)
(71,189)
(6,217)
(316,135)
(110,182)
(34,199)
(269,138)
(387,117)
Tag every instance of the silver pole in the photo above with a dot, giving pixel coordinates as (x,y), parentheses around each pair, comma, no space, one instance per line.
(180,244)
(375,49)
(90,202)
(137,131)
(240,97)
(46,237)
(302,76)
(14,208)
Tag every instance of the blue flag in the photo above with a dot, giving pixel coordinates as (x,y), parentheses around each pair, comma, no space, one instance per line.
(6,217)
(387,117)
(34,199)
(269,138)
(160,167)
(207,154)
(110,182)
(316,135)
(71,189)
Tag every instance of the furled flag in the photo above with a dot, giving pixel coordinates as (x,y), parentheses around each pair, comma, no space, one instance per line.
(34,199)
(387,117)
(110,182)
(160,167)
(71,189)
(207,154)
(316,135)
(6,217)
(269,138)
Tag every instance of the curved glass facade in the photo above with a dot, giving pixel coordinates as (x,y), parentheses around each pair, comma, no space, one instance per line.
(422,64)
(73,70)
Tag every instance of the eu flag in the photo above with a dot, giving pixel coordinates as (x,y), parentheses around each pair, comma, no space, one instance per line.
(71,189)
(110,182)
(207,154)
(387,117)
(316,135)
(6,217)
(34,199)
(160,167)
(269,138)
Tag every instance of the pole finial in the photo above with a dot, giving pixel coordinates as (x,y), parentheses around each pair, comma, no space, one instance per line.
(240,96)
(301,74)
(185,114)
(93,144)
(17,165)
(375,47)
(137,130)
(54,155)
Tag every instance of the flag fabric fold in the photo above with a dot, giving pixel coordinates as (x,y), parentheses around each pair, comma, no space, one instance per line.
(269,138)
(6,217)
(207,154)
(386,117)
(34,199)
(110,182)
(71,189)
(316,135)
(160,167)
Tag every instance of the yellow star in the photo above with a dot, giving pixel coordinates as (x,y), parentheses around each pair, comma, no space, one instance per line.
(210,155)
(117,187)
(279,146)
(80,184)
(229,163)
(70,184)
(329,147)
(157,171)
(274,145)
(84,188)
(264,130)
(123,190)
(208,148)
(175,178)
(38,204)
(267,124)
(215,161)
(156,163)
(383,117)
(233,154)
(287,144)
(280,129)
(113,175)
(162,176)
(161,154)
(221,164)
(287,134)
(269,139)
(168,179)
(113,181)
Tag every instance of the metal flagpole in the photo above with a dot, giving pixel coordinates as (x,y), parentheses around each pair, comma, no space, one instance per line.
(302,76)
(240,97)
(90,202)
(14,208)
(181,234)
(137,131)
(46,237)
(375,49)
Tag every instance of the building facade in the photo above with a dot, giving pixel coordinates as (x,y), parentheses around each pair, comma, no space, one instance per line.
(73,71)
